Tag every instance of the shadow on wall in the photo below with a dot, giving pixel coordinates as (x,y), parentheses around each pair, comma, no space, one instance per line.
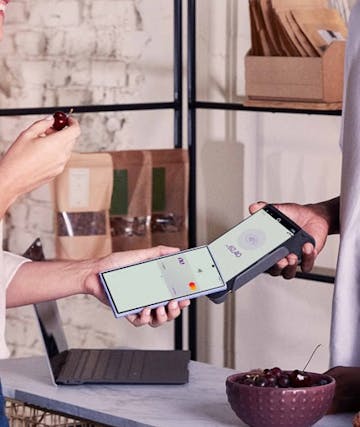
(222,166)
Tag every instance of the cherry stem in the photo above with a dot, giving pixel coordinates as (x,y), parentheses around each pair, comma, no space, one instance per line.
(71,110)
(312,354)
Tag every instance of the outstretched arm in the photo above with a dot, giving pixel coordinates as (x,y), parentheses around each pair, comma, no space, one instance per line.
(43,281)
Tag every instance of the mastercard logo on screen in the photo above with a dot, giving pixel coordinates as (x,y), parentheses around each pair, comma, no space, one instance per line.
(192,286)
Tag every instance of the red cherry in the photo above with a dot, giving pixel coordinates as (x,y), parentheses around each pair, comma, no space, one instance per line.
(276,371)
(60,120)
(300,379)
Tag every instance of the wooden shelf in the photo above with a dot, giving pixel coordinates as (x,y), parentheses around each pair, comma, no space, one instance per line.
(293,105)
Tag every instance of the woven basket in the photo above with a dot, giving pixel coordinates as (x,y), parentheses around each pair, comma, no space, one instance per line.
(22,415)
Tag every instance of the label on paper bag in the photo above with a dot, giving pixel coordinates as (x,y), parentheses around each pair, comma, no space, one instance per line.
(79,185)
(331,36)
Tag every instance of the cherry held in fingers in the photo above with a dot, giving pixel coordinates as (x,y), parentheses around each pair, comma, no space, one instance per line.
(60,120)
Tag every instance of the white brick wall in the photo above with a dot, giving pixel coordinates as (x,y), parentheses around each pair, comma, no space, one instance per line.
(83,52)
(54,14)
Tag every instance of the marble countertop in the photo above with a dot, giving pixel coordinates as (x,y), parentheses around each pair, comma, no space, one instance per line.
(201,403)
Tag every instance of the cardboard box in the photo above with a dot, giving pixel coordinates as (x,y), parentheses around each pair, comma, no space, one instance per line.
(311,79)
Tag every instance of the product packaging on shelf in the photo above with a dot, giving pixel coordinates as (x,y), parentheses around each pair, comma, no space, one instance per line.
(82,197)
(131,200)
(297,53)
(170,182)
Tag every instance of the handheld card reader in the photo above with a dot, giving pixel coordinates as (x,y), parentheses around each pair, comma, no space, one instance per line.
(223,266)
(255,245)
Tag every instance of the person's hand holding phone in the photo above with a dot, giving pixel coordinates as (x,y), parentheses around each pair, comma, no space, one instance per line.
(312,219)
(158,316)
(155,317)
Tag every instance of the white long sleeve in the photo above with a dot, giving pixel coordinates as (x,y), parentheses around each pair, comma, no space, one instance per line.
(9,263)
(345,330)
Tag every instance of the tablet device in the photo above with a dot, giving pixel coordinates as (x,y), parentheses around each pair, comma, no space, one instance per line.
(223,266)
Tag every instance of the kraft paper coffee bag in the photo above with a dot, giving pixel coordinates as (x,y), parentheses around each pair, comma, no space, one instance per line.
(82,196)
(321,26)
(170,185)
(131,200)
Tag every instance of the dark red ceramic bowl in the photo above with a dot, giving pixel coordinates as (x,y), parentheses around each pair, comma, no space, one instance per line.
(280,407)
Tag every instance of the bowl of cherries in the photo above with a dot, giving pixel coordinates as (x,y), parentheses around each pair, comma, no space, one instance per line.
(280,398)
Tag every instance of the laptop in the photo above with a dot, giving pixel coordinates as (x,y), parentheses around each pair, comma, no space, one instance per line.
(103,366)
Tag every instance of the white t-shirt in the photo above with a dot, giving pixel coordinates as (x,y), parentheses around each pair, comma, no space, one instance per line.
(9,263)
(345,331)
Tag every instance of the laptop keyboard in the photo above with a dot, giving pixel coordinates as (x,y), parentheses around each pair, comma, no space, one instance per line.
(97,366)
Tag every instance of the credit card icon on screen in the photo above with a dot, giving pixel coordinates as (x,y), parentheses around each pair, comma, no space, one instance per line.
(178,275)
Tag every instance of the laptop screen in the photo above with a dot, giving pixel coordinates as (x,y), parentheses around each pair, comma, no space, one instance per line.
(50,327)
